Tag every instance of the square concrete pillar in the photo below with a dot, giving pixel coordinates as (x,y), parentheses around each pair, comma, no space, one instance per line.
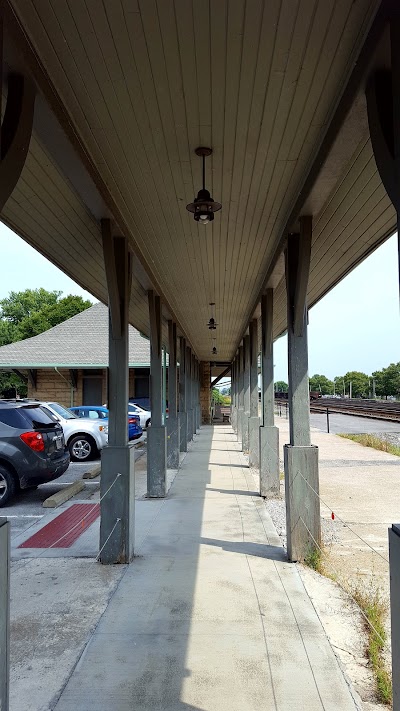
(182,395)
(173,442)
(240,425)
(245,431)
(254,420)
(254,442)
(183,431)
(173,428)
(303,527)
(246,394)
(205,392)
(117,472)
(269,434)
(157,433)
(269,461)
(156,461)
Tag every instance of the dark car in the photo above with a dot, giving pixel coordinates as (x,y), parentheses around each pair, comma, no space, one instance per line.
(94,411)
(32,448)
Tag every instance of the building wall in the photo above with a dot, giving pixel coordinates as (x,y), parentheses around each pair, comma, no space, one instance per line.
(50,385)
(205,392)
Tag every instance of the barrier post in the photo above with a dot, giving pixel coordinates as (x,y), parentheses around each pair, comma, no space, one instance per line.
(4,613)
(394,558)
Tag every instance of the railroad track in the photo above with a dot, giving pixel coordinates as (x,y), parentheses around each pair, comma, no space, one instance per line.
(375,409)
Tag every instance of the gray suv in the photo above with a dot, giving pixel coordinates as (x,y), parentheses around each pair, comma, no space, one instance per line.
(32,448)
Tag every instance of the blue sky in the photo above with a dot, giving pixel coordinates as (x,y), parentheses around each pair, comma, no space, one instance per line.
(355,327)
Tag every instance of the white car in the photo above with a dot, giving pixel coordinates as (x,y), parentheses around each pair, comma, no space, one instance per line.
(84,437)
(145,415)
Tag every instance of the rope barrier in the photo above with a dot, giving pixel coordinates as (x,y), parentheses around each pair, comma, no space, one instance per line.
(384,643)
(108,538)
(342,521)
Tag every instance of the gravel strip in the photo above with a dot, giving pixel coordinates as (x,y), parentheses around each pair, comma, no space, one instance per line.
(330,530)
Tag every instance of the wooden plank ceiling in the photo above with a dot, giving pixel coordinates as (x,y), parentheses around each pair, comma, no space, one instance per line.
(143,84)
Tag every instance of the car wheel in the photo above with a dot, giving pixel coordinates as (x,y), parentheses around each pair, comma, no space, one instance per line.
(81,448)
(148,423)
(7,485)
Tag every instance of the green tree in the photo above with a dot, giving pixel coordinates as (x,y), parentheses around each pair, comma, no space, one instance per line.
(24,314)
(359,383)
(281,386)
(218,397)
(321,384)
(387,380)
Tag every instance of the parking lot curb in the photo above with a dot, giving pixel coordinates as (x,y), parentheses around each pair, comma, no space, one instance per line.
(92,474)
(62,496)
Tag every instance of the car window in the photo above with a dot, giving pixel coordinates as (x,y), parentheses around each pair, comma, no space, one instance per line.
(27,417)
(93,414)
(62,411)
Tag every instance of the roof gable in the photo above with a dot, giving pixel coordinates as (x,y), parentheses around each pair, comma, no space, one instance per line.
(79,342)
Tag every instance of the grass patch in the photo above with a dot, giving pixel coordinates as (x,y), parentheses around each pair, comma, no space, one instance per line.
(281,476)
(368,440)
(314,560)
(375,609)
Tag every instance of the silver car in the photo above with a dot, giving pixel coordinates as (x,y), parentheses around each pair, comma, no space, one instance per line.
(84,437)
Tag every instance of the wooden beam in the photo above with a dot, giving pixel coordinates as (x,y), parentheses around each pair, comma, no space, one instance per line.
(155,322)
(32,377)
(114,297)
(224,372)
(20,375)
(303,271)
(16,131)
(73,374)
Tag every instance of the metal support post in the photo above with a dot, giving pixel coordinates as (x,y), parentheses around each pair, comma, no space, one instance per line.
(233,396)
(182,395)
(394,558)
(240,396)
(157,433)
(269,434)
(254,420)
(194,400)
(189,394)
(246,394)
(117,486)
(4,613)
(303,523)
(198,406)
(173,429)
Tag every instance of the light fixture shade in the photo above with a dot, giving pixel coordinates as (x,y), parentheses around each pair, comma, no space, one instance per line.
(203,207)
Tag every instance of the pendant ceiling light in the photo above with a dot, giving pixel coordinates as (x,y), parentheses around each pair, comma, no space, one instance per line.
(211,324)
(214,351)
(203,206)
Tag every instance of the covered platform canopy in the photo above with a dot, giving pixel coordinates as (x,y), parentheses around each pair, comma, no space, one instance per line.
(126,91)
(117,114)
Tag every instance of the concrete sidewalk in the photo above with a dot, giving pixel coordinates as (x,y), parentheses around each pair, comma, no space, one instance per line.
(210,616)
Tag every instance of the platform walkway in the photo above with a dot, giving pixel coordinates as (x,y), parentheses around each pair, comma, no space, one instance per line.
(210,616)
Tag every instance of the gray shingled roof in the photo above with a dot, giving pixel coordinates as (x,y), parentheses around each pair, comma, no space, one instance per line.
(79,342)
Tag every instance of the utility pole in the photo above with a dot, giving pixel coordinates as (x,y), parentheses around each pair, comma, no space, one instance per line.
(350,389)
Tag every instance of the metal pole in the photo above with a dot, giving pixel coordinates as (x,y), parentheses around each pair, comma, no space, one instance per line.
(394,558)
(327,419)
(4,613)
